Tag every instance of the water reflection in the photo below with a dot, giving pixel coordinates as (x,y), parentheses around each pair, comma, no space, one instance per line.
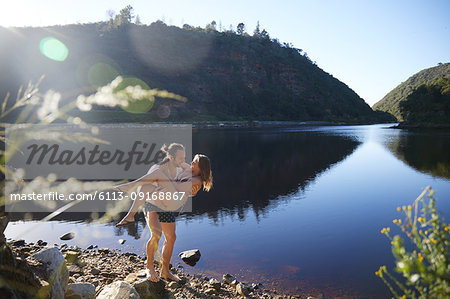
(251,169)
(428,152)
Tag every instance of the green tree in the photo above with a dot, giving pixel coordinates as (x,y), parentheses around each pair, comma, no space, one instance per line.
(240,30)
(211,26)
(125,16)
(257,31)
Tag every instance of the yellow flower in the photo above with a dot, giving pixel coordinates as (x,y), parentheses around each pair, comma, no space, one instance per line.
(420,219)
(409,208)
(404,208)
(395,221)
(398,209)
(420,256)
(433,240)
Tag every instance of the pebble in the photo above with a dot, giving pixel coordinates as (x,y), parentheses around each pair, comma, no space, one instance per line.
(107,266)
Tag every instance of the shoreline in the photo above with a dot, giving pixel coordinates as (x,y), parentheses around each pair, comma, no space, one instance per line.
(102,267)
(404,126)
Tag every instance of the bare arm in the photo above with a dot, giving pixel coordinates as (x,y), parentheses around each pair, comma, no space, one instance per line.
(153,175)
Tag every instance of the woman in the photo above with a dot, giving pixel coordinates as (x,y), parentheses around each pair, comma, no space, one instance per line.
(164,222)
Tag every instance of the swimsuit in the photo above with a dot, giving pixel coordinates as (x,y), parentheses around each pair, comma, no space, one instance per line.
(162,216)
(166,217)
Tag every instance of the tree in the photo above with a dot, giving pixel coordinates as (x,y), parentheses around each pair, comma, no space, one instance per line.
(125,16)
(137,21)
(428,104)
(211,26)
(265,34)
(257,31)
(240,29)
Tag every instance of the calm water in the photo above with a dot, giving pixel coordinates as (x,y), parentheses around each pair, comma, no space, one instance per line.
(298,209)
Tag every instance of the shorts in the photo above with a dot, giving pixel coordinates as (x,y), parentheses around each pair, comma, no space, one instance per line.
(166,217)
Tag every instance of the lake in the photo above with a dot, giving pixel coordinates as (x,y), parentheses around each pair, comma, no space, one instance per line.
(298,209)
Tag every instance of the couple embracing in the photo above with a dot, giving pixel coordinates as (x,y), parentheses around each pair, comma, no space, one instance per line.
(173,175)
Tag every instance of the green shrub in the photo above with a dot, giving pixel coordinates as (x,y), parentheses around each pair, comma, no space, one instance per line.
(426,269)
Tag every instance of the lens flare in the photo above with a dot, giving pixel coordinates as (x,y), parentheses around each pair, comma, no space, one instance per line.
(139,106)
(53,48)
(101,74)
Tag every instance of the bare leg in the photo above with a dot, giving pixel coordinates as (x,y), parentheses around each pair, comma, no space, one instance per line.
(137,203)
(152,245)
(168,229)
(145,179)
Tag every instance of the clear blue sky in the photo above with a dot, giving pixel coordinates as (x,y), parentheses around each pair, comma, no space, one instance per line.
(372,46)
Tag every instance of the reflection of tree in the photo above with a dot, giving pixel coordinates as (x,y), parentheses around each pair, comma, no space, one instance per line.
(427,153)
(251,169)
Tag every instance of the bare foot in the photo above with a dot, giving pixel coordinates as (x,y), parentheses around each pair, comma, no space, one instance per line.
(169,276)
(126,220)
(152,275)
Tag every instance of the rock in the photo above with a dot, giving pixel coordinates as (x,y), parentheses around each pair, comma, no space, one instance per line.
(18,243)
(91,247)
(41,243)
(118,290)
(132,277)
(190,257)
(74,269)
(149,289)
(242,290)
(173,285)
(122,241)
(210,291)
(228,278)
(56,271)
(68,236)
(103,250)
(215,283)
(95,271)
(80,291)
(71,256)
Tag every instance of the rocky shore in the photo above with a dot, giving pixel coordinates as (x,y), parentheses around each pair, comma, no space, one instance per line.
(72,272)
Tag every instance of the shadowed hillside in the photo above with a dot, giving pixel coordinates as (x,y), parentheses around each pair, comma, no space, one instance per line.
(224,75)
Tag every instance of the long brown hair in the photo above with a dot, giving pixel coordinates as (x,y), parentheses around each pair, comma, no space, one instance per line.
(171,150)
(205,171)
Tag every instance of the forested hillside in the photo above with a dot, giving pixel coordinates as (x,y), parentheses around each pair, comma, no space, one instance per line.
(225,75)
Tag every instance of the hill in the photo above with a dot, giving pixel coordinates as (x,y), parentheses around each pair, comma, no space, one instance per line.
(225,75)
(391,102)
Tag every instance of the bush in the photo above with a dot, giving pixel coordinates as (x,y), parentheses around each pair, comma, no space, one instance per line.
(426,269)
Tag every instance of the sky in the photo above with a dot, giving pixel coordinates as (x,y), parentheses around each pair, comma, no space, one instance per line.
(372,46)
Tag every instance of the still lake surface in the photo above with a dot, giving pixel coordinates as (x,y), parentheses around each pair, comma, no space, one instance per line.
(298,209)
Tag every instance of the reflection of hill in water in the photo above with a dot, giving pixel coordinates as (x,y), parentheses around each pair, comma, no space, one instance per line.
(251,169)
(426,152)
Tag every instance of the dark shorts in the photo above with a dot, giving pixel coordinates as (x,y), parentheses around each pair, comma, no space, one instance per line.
(166,217)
